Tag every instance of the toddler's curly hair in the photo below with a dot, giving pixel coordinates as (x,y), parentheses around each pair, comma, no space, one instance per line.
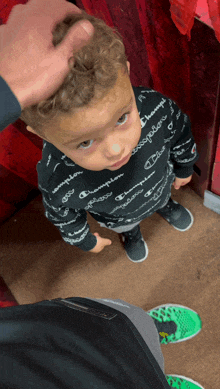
(90,78)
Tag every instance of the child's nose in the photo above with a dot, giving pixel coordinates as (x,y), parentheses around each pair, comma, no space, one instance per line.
(116,148)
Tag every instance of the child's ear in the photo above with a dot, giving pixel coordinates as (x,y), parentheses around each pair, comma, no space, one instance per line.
(128,65)
(30,129)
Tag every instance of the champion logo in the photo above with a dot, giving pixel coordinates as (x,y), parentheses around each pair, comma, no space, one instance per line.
(193,149)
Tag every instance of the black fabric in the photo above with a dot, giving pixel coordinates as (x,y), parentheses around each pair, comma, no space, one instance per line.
(10,108)
(58,344)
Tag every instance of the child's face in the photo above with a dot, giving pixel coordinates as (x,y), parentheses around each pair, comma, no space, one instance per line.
(107,132)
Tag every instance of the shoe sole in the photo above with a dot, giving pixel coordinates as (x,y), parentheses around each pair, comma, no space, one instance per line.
(181,306)
(140,260)
(188,380)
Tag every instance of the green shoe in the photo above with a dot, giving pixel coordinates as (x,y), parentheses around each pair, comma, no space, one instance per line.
(175,323)
(181,382)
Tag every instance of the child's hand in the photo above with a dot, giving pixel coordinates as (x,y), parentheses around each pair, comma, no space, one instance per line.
(101,243)
(181,182)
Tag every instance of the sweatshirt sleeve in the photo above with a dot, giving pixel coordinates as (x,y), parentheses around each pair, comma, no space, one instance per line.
(10,109)
(183,151)
(72,223)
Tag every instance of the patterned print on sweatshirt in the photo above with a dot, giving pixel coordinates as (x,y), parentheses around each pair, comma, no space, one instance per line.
(166,150)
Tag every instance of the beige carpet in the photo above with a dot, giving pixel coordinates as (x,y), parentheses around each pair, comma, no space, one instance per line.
(181,268)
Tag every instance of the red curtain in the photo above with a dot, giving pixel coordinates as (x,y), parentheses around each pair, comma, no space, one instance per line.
(183,13)
(6,297)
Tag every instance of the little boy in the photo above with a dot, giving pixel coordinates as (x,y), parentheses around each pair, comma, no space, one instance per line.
(117,159)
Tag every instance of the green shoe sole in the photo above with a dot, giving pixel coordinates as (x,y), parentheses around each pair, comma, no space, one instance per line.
(181,382)
(187,321)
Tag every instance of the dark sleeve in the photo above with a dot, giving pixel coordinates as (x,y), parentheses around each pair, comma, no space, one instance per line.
(71,223)
(183,150)
(10,109)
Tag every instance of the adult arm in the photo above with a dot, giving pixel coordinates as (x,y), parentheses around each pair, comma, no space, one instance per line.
(31,68)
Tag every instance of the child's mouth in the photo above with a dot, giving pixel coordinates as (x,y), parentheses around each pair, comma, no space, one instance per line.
(121,162)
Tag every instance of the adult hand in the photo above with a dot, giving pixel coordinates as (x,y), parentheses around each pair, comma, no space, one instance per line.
(32,67)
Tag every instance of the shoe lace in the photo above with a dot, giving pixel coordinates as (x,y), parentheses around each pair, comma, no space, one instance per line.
(135,236)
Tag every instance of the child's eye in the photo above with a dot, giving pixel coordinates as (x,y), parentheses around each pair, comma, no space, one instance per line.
(122,117)
(125,114)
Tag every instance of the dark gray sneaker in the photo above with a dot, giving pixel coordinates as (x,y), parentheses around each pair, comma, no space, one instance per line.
(134,244)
